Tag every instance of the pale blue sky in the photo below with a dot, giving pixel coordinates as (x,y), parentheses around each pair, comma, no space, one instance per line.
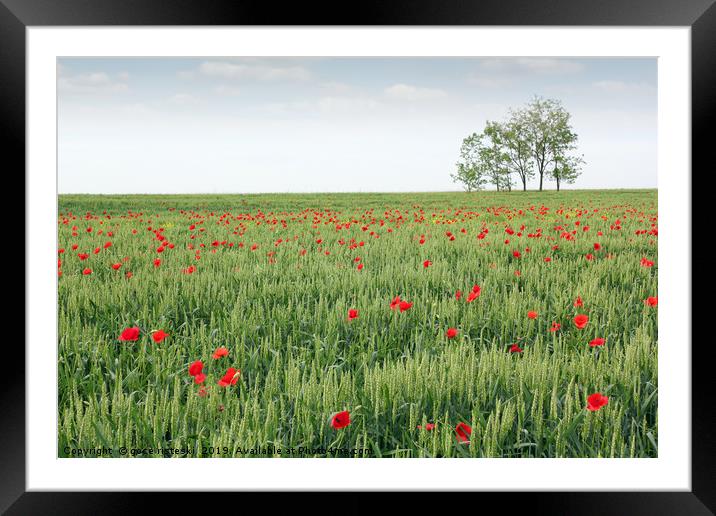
(177,125)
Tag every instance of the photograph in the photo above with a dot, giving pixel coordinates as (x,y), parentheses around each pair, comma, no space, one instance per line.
(357,257)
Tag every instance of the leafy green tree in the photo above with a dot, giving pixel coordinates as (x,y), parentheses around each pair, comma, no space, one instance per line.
(566,169)
(548,132)
(494,157)
(470,167)
(514,139)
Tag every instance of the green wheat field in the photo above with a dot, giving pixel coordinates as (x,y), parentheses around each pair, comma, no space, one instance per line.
(301,292)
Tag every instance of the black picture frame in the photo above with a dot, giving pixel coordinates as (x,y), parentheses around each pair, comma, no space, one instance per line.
(700,15)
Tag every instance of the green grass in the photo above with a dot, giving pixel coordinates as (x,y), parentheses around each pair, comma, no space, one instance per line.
(284,320)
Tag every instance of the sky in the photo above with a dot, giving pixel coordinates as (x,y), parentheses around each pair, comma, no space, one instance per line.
(377,124)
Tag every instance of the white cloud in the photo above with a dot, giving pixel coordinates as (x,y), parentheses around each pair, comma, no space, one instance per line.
(259,72)
(183,99)
(94,82)
(540,65)
(507,72)
(229,91)
(413,93)
(622,87)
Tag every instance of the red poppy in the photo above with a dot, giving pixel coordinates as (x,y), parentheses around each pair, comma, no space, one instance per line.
(458,294)
(428,426)
(646,263)
(596,342)
(196,367)
(472,296)
(199,378)
(427,263)
(116,266)
(157,262)
(580,321)
(352,314)
(130,334)
(404,305)
(463,431)
(220,352)
(597,246)
(360,267)
(451,333)
(515,349)
(341,420)
(578,301)
(555,326)
(230,378)
(395,302)
(596,401)
(159,336)
(651,301)
(87,271)
(532,314)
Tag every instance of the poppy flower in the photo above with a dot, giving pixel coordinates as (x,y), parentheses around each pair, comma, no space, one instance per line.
(360,267)
(196,367)
(157,262)
(458,294)
(462,432)
(427,263)
(580,321)
(555,326)
(341,420)
(597,246)
(428,426)
(646,263)
(352,314)
(395,302)
(159,336)
(87,271)
(230,378)
(220,352)
(130,334)
(199,378)
(515,349)
(651,301)
(404,305)
(596,401)
(578,301)
(451,333)
(532,314)
(596,342)
(116,266)
(472,296)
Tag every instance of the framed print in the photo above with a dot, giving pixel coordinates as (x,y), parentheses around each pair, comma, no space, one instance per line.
(430,248)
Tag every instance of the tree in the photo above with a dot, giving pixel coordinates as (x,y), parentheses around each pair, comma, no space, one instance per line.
(470,169)
(494,158)
(548,132)
(513,136)
(566,169)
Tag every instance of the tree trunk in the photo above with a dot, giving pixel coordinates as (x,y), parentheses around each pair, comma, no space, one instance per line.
(558,184)
(541,175)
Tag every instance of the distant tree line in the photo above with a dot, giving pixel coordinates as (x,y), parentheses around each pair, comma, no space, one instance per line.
(536,140)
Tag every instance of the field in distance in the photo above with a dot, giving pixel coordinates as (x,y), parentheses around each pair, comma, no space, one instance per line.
(490,324)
